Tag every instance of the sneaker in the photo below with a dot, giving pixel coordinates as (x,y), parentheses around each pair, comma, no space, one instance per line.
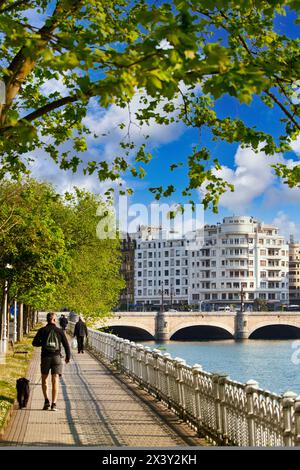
(53,407)
(46,405)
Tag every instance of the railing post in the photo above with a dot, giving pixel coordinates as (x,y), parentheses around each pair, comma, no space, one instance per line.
(180,364)
(147,367)
(217,393)
(114,349)
(126,355)
(251,390)
(223,409)
(167,357)
(131,363)
(139,352)
(143,366)
(288,401)
(297,421)
(156,354)
(197,369)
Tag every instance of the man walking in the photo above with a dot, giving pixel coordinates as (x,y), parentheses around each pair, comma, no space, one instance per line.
(50,338)
(80,332)
(63,321)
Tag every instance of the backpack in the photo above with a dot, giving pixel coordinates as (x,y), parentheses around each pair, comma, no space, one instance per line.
(52,342)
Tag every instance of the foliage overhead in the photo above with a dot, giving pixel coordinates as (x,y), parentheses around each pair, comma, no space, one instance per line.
(33,255)
(108,50)
(93,283)
(50,254)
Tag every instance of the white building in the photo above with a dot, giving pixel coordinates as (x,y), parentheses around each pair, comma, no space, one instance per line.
(240,253)
(161,268)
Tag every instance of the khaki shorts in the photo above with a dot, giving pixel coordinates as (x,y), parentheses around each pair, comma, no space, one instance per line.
(53,363)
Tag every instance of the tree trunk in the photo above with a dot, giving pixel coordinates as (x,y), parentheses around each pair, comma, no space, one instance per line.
(1,314)
(31,313)
(20,324)
(26,320)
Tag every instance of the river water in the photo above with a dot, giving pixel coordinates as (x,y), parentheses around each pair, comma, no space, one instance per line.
(275,364)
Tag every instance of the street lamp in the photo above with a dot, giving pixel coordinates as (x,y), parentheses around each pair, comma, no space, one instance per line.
(171,295)
(162,298)
(4,333)
(242,298)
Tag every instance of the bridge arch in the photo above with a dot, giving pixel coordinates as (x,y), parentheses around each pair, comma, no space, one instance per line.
(198,330)
(274,330)
(131,332)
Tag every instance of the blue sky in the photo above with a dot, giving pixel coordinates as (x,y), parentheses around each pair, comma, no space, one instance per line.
(258,191)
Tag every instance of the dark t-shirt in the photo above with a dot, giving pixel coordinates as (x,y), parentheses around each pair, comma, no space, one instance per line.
(80,329)
(41,338)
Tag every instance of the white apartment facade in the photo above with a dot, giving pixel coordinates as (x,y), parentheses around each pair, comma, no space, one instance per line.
(238,254)
(161,268)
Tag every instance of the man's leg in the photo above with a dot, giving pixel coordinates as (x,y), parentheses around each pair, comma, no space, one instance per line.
(45,391)
(80,343)
(55,383)
(45,385)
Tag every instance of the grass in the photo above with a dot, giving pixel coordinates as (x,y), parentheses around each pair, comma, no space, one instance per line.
(13,368)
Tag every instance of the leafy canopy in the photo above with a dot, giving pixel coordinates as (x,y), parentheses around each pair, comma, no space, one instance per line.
(33,255)
(108,50)
(50,254)
(93,283)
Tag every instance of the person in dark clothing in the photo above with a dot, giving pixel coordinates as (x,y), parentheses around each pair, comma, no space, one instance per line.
(50,338)
(80,332)
(63,321)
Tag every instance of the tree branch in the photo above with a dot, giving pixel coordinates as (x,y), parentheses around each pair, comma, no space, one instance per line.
(250,53)
(12,6)
(283,108)
(49,107)
(22,65)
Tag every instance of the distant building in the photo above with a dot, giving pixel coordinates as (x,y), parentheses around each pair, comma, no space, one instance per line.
(294,272)
(127,271)
(161,268)
(240,253)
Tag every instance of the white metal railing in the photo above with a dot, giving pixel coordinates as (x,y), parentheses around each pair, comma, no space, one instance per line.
(226,411)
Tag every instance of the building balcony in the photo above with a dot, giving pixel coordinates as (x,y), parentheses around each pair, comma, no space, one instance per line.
(236,257)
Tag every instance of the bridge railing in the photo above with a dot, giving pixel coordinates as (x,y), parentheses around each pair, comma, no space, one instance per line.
(226,411)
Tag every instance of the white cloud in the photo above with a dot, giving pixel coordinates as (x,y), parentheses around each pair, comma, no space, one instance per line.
(106,125)
(295,145)
(53,85)
(286,226)
(253,177)
(45,169)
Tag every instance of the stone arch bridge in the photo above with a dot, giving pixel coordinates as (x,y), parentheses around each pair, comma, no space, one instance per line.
(168,325)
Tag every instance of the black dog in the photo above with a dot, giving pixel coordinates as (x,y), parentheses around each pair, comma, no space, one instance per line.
(23,392)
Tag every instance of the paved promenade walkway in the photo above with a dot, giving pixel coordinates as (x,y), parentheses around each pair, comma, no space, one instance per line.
(95,408)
